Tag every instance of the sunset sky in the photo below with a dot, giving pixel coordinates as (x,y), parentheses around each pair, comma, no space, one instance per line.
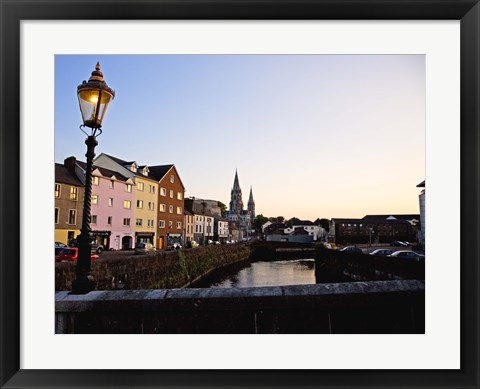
(314,135)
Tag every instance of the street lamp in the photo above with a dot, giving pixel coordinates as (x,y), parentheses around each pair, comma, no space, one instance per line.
(94,98)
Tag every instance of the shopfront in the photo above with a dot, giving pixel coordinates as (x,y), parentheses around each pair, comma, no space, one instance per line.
(144,237)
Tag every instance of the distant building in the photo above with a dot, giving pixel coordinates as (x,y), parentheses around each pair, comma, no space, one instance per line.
(203,220)
(317,232)
(220,230)
(421,200)
(375,229)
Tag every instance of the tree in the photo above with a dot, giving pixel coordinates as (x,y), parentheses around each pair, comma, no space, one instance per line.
(291,222)
(223,208)
(325,223)
(258,222)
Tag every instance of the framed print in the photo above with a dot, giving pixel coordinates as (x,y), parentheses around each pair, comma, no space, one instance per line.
(414,72)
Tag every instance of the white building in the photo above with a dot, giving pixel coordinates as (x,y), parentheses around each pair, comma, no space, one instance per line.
(318,233)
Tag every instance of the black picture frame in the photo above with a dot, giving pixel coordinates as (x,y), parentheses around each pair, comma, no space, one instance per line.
(13,12)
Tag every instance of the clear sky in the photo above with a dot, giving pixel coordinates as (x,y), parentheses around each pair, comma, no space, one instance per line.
(314,135)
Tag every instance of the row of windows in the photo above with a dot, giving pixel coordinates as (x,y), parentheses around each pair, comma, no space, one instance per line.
(163,208)
(73,192)
(161,224)
(72,216)
(128,188)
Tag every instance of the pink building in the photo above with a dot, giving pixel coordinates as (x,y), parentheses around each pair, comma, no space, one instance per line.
(112,208)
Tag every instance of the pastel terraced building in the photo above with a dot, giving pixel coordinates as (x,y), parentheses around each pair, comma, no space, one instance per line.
(111,207)
(145,194)
(69,192)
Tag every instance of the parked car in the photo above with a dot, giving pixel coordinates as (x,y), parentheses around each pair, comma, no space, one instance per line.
(352,249)
(59,247)
(174,246)
(398,243)
(191,244)
(143,248)
(70,254)
(407,254)
(382,252)
(324,244)
(94,246)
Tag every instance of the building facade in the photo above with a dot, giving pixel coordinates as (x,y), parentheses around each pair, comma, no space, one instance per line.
(318,233)
(375,229)
(69,192)
(237,215)
(421,230)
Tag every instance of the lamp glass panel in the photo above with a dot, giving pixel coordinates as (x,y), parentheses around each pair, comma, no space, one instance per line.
(88,100)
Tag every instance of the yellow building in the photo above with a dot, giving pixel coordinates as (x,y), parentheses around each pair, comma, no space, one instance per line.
(145,206)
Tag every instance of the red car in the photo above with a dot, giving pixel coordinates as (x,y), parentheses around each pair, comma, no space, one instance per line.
(71,254)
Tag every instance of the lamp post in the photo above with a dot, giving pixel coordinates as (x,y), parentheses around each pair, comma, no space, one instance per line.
(94,98)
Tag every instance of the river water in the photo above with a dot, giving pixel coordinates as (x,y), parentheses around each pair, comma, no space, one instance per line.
(265,273)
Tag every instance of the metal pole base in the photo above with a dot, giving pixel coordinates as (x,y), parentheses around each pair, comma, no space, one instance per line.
(83,285)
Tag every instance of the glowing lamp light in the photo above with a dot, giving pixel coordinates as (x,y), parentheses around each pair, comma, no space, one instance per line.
(94,98)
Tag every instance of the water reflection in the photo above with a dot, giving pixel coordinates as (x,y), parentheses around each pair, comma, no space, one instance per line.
(271,273)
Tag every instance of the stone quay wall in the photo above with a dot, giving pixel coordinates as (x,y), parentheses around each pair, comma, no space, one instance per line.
(163,270)
(338,266)
(378,307)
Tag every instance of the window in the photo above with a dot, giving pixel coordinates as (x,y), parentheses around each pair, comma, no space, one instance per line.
(127,204)
(73,193)
(140,186)
(151,206)
(109,220)
(172,179)
(128,187)
(161,224)
(57,213)
(72,216)
(163,192)
(179,225)
(179,196)
(170,209)
(57,190)
(171,194)
(151,223)
(110,202)
(138,222)
(112,184)
(152,189)
(163,208)
(94,199)
(95,180)
(179,210)
(126,221)
(139,203)
(94,219)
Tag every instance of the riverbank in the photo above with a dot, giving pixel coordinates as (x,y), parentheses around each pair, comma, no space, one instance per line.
(163,270)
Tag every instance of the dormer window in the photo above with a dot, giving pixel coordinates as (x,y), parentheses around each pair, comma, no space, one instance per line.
(145,171)
(134,167)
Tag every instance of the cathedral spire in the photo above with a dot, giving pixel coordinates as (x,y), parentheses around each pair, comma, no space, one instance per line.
(250,199)
(251,205)
(236,185)
(236,203)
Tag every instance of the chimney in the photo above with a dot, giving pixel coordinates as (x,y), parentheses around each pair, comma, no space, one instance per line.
(70,163)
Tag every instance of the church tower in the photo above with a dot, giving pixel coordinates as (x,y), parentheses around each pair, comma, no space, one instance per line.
(251,205)
(236,202)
